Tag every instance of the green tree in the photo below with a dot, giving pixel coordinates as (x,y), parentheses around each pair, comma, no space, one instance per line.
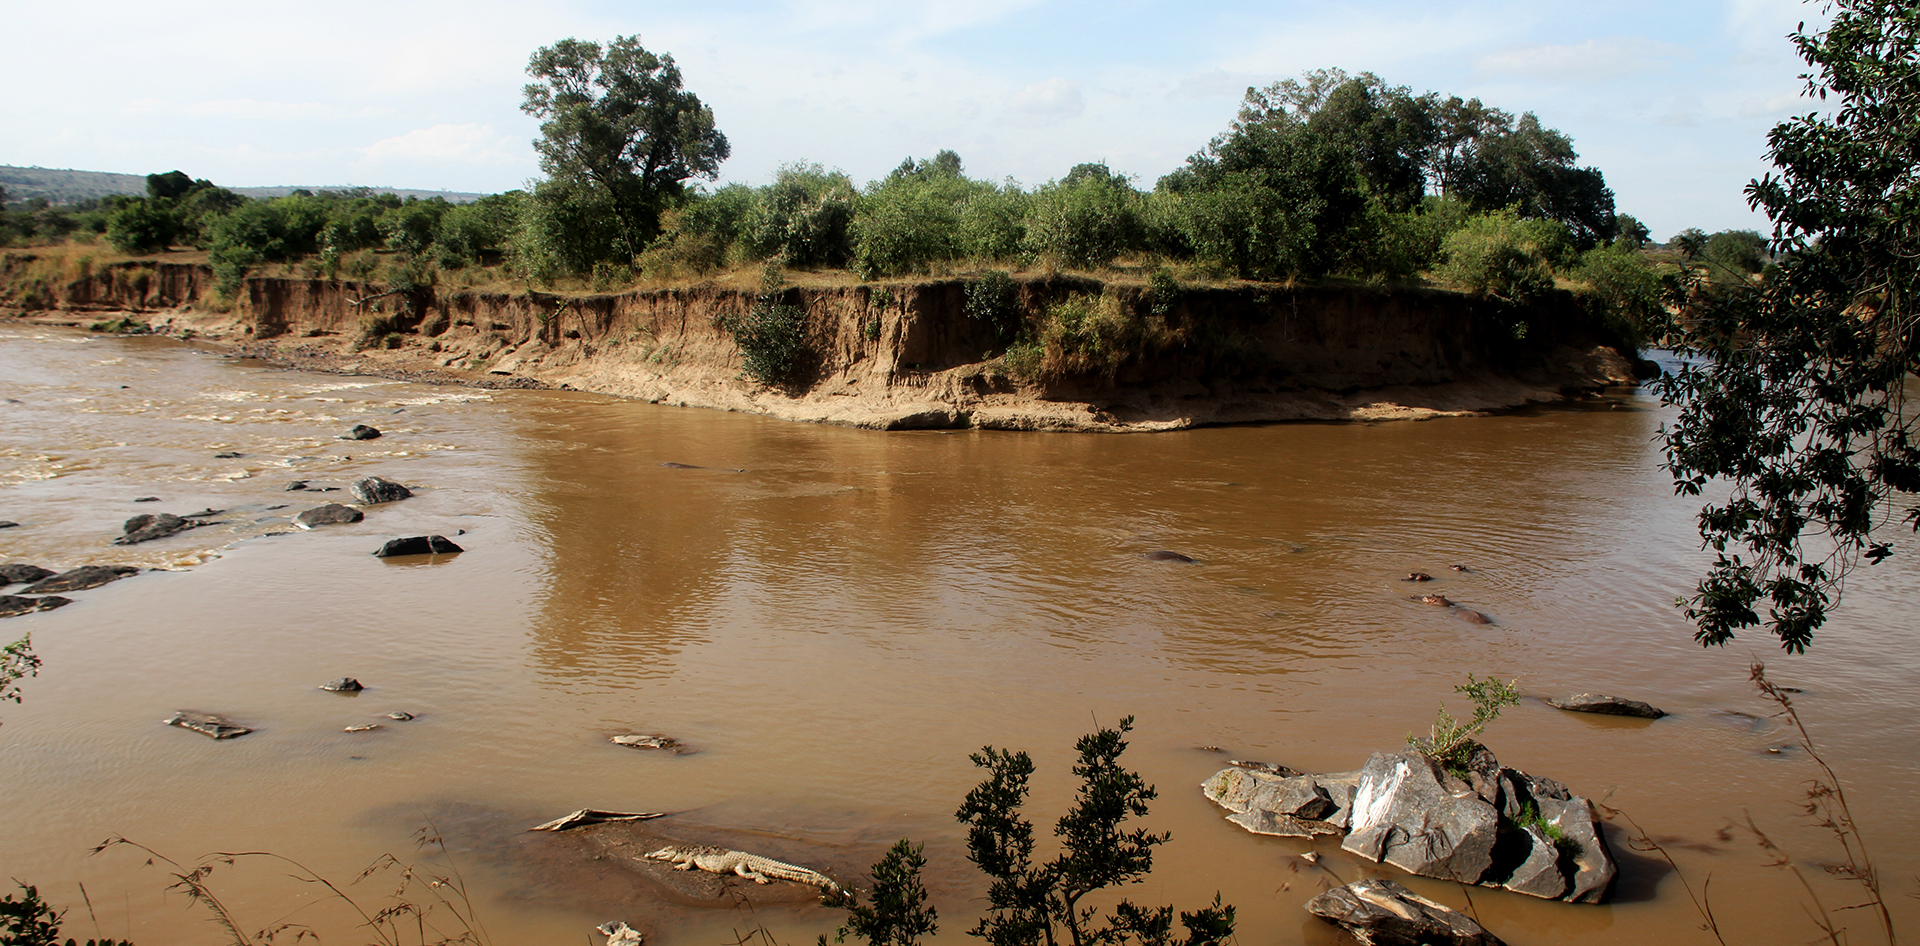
(1798,400)
(1085,219)
(616,123)
(143,225)
(1030,904)
(172,185)
(805,216)
(898,913)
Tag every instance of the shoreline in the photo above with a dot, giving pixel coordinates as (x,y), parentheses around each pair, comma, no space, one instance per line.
(904,356)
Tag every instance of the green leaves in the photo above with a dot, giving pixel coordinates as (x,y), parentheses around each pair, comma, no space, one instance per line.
(1031,904)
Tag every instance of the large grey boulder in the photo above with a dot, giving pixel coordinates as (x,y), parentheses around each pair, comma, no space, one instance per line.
(79,579)
(1604,704)
(368,490)
(146,528)
(1538,874)
(1593,867)
(1404,816)
(327,515)
(1383,913)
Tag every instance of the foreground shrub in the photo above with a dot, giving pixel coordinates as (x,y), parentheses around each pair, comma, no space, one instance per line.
(771,336)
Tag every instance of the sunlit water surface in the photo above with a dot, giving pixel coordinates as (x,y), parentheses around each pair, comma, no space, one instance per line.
(839,625)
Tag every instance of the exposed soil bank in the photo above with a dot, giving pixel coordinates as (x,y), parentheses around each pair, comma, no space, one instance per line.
(891,356)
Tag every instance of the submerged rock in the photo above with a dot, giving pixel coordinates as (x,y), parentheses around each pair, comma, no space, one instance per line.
(9,524)
(328,514)
(1383,913)
(296,486)
(1166,556)
(369,490)
(618,933)
(208,724)
(648,741)
(15,605)
(343,685)
(79,579)
(146,528)
(419,545)
(21,571)
(587,816)
(1604,704)
(360,432)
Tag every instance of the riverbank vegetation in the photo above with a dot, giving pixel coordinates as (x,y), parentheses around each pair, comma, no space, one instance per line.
(1329,177)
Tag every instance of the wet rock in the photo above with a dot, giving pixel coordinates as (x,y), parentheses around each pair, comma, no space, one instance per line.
(401,715)
(343,685)
(360,432)
(9,524)
(79,579)
(148,499)
(1593,865)
(15,605)
(649,741)
(1166,556)
(1538,874)
(207,513)
(229,455)
(208,724)
(296,486)
(1295,806)
(1402,815)
(21,571)
(146,528)
(1271,768)
(328,514)
(1608,705)
(372,489)
(418,545)
(587,816)
(618,933)
(362,727)
(1383,913)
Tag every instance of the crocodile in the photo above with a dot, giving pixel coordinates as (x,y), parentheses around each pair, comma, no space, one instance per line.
(758,869)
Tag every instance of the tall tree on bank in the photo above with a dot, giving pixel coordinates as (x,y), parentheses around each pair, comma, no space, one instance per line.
(616,124)
(1799,402)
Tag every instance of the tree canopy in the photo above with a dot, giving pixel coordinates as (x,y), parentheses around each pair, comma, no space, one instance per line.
(616,124)
(1798,396)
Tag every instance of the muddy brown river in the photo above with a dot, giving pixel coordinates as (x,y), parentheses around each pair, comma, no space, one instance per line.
(836,618)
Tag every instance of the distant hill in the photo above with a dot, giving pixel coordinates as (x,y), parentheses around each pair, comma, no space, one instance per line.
(62,186)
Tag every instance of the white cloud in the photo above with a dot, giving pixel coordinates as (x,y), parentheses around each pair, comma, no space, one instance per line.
(1580,62)
(465,144)
(1055,99)
(1774,107)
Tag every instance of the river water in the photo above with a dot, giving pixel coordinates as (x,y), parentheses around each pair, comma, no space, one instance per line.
(839,624)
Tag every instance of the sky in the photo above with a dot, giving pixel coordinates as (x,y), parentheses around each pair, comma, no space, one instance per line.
(1671,100)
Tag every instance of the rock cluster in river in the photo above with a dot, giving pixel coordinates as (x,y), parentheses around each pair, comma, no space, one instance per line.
(1486,824)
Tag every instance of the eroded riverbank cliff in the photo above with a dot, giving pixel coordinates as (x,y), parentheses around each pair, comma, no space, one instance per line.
(893,355)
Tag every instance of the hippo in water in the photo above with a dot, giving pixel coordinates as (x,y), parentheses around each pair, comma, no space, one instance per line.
(1166,556)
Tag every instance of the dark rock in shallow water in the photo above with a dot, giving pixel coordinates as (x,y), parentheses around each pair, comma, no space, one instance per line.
(327,515)
(148,499)
(360,432)
(343,685)
(1604,704)
(1383,913)
(207,513)
(15,605)
(1166,556)
(79,579)
(649,741)
(229,455)
(146,528)
(296,486)
(9,524)
(373,489)
(207,724)
(419,545)
(21,571)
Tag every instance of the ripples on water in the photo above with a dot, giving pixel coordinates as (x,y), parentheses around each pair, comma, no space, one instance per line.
(837,626)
